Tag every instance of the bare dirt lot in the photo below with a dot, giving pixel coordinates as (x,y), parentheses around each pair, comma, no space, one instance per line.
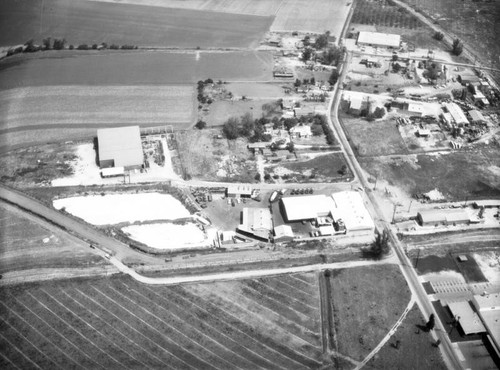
(301,15)
(88,22)
(471,174)
(205,157)
(28,243)
(117,322)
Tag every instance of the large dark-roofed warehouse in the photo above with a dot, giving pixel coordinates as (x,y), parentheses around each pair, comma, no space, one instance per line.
(120,147)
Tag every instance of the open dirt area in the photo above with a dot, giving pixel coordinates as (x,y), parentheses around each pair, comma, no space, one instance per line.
(89,22)
(220,111)
(471,174)
(302,15)
(117,322)
(28,243)
(249,7)
(205,157)
(365,306)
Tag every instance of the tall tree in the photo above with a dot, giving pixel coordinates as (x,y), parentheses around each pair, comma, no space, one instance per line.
(231,128)
(333,77)
(457,47)
(247,124)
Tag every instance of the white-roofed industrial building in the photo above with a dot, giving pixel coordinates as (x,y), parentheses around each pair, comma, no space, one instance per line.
(457,114)
(468,319)
(347,206)
(436,217)
(387,40)
(120,147)
(488,306)
(476,116)
(257,222)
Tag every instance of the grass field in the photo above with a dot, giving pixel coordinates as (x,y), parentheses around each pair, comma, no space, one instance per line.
(317,17)
(250,7)
(28,243)
(205,157)
(384,14)
(323,168)
(415,350)
(471,21)
(270,323)
(364,134)
(132,68)
(221,111)
(88,22)
(460,175)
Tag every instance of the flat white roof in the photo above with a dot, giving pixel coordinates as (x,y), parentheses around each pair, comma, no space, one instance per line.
(379,39)
(283,230)
(122,145)
(487,302)
(306,207)
(476,115)
(326,230)
(350,208)
(113,171)
(257,219)
(457,113)
(468,319)
(239,189)
(416,108)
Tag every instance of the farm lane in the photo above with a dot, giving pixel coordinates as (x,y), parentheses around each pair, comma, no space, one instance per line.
(389,334)
(407,269)
(438,240)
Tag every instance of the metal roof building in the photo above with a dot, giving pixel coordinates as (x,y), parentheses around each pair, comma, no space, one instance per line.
(387,40)
(350,208)
(476,116)
(283,233)
(466,317)
(306,207)
(256,221)
(457,114)
(432,217)
(120,147)
(488,307)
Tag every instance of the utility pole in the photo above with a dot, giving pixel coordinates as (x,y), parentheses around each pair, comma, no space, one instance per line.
(394,213)
(409,207)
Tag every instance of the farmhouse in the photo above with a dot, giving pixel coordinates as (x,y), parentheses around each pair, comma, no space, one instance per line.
(300,132)
(239,191)
(257,222)
(457,114)
(120,147)
(283,233)
(385,40)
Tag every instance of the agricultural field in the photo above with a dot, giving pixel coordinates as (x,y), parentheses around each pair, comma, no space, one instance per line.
(28,243)
(415,349)
(365,306)
(132,68)
(470,21)
(250,7)
(92,107)
(273,323)
(472,174)
(363,135)
(319,168)
(89,22)
(303,16)
(205,157)
(384,13)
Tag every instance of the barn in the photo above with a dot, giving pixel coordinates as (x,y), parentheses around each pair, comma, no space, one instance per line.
(120,147)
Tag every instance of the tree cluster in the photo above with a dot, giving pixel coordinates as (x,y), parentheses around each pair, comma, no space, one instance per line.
(379,247)
(332,56)
(457,47)
(334,76)
(246,126)
(438,36)
(201,91)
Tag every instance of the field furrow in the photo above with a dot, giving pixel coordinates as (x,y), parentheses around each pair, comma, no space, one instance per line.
(166,325)
(223,332)
(137,318)
(229,311)
(205,337)
(67,346)
(6,363)
(153,350)
(310,295)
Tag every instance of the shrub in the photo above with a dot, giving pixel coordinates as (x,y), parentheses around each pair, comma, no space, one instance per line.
(114,47)
(200,125)
(438,36)
(83,47)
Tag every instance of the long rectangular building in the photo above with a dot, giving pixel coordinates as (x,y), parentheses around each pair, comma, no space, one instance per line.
(457,114)
(120,147)
(387,40)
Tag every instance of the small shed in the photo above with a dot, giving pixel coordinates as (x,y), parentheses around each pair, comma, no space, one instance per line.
(423,132)
(283,233)
(239,191)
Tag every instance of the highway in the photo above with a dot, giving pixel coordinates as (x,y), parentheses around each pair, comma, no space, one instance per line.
(406,267)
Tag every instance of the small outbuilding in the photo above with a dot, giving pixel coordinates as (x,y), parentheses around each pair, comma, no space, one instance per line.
(239,191)
(283,234)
